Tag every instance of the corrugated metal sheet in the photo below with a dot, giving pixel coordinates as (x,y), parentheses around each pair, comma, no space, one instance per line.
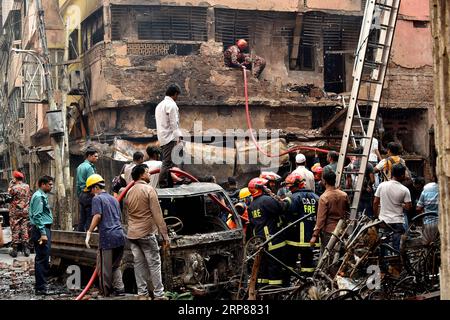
(338,32)
(232,25)
(161,22)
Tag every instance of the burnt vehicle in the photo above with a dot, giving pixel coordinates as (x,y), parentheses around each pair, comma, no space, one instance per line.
(205,256)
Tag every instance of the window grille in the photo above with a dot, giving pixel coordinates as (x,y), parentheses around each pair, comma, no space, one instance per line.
(160,22)
(92,30)
(271,28)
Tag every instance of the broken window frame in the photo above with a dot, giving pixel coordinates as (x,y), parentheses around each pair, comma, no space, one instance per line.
(33,84)
(74,50)
(92,30)
(300,62)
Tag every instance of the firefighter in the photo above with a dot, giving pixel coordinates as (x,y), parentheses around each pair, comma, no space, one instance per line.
(265,219)
(245,197)
(236,57)
(303,202)
(317,170)
(273,180)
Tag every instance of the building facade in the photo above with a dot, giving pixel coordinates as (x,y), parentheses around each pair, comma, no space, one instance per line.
(124,53)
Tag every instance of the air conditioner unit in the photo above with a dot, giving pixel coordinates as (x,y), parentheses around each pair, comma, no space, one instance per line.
(76,83)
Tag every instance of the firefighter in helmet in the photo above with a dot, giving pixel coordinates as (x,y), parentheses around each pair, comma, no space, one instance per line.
(245,197)
(265,218)
(317,171)
(273,180)
(303,202)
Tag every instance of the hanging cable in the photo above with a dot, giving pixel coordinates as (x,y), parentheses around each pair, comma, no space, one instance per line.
(249,124)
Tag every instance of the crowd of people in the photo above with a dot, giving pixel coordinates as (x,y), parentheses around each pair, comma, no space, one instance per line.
(307,199)
(270,204)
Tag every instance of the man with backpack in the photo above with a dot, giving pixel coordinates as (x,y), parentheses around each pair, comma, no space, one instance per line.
(385,165)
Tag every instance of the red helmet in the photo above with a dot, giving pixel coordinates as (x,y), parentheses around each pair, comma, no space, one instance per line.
(317,170)
(295,180)
(242,44)
(256,186)
(269,175)
(18,175)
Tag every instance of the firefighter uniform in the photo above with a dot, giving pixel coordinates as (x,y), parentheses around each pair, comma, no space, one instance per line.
(265,218)
(241,208)
(303,202)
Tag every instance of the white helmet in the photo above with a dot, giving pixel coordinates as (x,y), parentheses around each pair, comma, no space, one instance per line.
(300,158)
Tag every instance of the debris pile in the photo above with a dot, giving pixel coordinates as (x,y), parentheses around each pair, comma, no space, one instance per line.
(16,279)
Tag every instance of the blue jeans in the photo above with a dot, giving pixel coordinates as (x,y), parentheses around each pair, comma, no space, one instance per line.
(399,230)
(41,261)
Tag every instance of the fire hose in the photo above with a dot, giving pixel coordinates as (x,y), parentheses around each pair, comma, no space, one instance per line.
(123,194)
(249,125)
(213,197)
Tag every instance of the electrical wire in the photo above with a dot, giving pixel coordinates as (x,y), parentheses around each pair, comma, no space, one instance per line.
(249,124)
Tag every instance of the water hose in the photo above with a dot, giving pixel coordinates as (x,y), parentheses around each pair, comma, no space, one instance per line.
(213,197)
(95,273)
(123,194)
(249,125)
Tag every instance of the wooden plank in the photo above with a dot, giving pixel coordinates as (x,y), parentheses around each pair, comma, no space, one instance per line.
(296,40)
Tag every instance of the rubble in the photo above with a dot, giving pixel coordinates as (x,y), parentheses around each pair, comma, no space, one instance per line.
(17,280)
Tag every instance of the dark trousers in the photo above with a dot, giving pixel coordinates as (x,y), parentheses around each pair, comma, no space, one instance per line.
(85,201)
(165,181)
(365,203)
(324,239)
(110,276)
(270,271)
(41,261)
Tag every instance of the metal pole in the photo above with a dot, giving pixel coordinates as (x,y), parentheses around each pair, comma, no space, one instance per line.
(56,142)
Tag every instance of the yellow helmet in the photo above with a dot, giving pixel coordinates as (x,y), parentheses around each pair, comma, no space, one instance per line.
(244,193)
(93,179)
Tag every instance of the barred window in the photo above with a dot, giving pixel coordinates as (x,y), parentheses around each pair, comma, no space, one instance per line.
(92,30)
(74,50)
(273,28)
(159,23)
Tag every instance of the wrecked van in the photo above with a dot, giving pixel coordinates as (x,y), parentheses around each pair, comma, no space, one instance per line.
(205,254)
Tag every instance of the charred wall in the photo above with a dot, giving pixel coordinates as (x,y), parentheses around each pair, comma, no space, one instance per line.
(139,121)
(153,46)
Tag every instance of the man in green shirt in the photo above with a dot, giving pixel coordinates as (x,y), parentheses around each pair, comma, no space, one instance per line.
(84,171)
(41,219)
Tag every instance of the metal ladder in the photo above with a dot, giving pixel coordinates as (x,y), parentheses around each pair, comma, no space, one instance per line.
(377,32)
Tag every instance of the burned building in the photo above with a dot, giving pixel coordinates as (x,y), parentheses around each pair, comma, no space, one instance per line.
(124,53)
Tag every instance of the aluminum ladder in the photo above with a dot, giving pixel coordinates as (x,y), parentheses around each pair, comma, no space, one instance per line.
(371,61)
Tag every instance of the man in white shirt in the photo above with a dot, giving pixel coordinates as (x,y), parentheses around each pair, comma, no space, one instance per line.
(153,163)
(300,159)
(391,198)
(138,158)
(167,126)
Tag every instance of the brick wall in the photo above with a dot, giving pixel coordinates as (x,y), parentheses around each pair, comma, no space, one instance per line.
(408,88)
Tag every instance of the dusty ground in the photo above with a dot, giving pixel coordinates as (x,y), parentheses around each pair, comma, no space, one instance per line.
(17,279)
